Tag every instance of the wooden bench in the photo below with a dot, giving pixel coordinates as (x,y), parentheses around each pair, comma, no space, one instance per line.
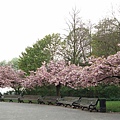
(1,98)
(76,103)
(89,103)
(49,100)
(10,98)
(29,99)
(67,101)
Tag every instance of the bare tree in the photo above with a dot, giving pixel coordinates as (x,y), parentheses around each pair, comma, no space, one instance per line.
(77,41)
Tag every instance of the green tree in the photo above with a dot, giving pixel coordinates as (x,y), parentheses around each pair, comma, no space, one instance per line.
(3,63)
(54,46)
(106,38)
(43,50)
(14,63)
(33,56)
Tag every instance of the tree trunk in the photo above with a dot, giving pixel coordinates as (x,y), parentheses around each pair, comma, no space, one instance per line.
(58,89)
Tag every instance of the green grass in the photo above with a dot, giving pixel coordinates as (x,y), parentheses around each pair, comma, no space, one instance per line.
(112,106)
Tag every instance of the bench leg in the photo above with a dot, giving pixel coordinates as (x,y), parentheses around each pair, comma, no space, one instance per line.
(30,101)
(41,102)
(20,101)
(82,108)
(10,100)
(94,108)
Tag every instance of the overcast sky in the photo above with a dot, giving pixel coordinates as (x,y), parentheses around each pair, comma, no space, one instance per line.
(23,22)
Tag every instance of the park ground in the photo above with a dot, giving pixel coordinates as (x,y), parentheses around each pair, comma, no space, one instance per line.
(25,111)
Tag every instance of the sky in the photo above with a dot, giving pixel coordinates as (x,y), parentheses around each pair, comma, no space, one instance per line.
(23,22)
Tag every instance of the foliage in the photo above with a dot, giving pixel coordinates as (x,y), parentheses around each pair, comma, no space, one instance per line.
(13,63)
(54,46)
(33,57)
(43,50)
(3,63)
(49,90)
(106,38)
(110,92)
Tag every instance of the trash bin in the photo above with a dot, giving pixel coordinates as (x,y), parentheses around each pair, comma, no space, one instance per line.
(102,105)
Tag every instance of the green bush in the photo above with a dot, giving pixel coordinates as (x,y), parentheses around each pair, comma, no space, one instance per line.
(110,92)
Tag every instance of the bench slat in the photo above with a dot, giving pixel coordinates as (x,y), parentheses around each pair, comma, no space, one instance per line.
(9,98)
(89,103)
(29,98)
(67,101)
(49,100)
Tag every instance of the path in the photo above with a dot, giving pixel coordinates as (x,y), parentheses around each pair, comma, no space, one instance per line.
(23,111)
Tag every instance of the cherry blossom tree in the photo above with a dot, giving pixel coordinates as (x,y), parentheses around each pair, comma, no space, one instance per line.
(54,69)
(59,73)
(70,75)
(102,70)
(10,77)
(38,78)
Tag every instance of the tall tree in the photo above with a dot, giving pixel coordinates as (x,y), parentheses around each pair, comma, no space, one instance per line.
(77,43)
(33,57)
(106,38)
(43,50)
(54,46)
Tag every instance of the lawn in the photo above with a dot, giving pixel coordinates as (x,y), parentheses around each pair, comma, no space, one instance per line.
(112,106)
